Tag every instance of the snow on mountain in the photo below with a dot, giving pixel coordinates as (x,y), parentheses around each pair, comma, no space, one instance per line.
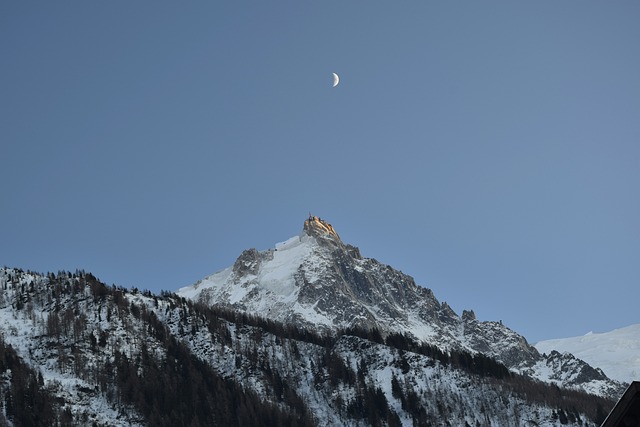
(109,356)
(317,281)
(616,352)
(308,333)
(29,328)
(268,282)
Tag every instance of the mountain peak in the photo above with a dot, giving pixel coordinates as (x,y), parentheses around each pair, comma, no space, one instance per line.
(317,227)
(315,281)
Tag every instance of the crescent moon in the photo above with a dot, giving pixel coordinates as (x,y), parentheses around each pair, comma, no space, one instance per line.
(336,80)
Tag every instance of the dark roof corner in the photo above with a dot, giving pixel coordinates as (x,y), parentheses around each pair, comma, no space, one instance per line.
(626,413)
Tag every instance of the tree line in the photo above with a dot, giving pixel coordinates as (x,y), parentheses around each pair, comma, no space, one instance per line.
(180,389)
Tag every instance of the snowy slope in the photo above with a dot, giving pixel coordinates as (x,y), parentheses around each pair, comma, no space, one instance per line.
(25,324)
(267,282)
(94,347)
(616,352)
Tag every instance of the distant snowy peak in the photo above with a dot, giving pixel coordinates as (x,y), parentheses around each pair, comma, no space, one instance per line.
(616,352)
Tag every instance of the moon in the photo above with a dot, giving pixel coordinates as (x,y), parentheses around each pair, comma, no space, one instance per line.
(336,80)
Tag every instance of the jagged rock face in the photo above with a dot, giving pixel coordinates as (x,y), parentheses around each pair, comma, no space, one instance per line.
(568,370)
(318,228)
(315,280)
(567,365)
(247,263)
(484,337)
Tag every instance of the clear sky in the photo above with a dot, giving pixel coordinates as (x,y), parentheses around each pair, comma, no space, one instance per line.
(489,149)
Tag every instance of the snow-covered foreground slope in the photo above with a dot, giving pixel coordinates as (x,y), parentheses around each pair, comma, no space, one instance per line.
(106,354)
(317,281)
(35,332)
(616,352)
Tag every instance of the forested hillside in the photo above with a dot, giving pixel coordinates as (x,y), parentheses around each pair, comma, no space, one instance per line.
(76,351)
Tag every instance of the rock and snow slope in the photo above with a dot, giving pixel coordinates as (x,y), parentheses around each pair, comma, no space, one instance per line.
(107,356)
(616,352)
(316,280)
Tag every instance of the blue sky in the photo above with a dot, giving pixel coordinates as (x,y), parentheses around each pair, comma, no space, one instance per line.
(489,149)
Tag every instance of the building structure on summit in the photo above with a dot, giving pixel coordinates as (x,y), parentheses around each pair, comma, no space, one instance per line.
(317,226)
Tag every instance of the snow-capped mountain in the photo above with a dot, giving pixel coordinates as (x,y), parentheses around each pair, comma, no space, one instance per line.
(317,281)
(616,352)
(74,351)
